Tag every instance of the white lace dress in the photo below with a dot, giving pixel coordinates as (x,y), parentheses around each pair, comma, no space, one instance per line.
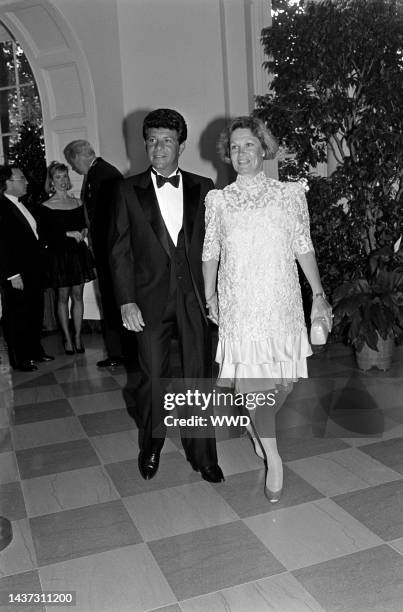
(255,227)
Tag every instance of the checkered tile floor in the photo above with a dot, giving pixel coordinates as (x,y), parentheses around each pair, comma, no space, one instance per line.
(85,521)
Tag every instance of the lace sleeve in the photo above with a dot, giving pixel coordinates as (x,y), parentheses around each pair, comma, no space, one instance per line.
(211,247)
(302,237)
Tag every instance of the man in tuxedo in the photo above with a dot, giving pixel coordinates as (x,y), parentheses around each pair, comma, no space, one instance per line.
(156,241)
(99,176)
(20,274)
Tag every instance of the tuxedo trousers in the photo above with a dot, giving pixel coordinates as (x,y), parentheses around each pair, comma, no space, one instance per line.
(22,322)
(182,319)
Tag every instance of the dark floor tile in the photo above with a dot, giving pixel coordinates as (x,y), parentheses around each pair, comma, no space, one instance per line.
(54,458)
(39,381)
(27,582)
(85,387)
(301,442)
(212,559)
(389,452)
(44,411)
(171,608)
(378,508)
(5,440)
(363,581)
(12,503)
(244,492)
(173,471)
(106,422)
(82,531)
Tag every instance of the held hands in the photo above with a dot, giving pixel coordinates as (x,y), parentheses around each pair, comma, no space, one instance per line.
(132,317)
(212,307)
(78,237)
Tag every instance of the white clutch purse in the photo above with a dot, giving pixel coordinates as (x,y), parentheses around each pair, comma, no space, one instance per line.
(320,329)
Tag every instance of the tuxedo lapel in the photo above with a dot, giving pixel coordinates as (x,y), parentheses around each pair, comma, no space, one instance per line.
(149,203)
(191,200)
(19,216)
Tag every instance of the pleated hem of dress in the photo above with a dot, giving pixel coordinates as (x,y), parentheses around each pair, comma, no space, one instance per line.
(256,366)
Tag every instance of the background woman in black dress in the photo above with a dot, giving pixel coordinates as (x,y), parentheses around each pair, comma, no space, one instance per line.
(68,261)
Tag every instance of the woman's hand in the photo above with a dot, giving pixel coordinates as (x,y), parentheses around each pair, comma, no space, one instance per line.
(212,307)
(322,309)
(75,234)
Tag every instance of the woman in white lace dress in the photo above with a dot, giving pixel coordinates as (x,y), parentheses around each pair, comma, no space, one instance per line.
(256,229)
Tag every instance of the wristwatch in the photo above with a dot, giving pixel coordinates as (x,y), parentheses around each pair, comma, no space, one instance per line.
(320,294)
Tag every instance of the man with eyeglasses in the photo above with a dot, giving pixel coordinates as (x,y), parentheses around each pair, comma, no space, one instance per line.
(20,274)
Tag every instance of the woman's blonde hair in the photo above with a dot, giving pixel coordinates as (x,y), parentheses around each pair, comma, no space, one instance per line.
(52,168)
(258,129)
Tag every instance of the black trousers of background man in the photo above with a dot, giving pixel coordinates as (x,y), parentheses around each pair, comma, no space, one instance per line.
(22,322)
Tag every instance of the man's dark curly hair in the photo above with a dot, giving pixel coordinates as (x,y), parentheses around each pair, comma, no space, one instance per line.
(168,119)
(6,172)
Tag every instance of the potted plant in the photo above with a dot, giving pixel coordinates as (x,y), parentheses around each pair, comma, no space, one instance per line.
(369,308)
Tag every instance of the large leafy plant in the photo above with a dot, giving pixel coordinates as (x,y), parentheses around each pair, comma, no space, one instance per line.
(336,69)
(372,305)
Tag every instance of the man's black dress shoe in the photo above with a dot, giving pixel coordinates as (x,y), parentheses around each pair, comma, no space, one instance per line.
(110,362)
(211,473)
(27,366)
(148,464)
(43,358)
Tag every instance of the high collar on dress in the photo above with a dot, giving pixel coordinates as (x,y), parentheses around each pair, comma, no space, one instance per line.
(245,181)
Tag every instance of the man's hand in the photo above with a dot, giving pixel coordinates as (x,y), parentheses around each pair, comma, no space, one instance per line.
(132,317)
(17,282)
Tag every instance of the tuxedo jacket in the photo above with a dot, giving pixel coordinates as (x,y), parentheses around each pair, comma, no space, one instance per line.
(20,251)
(139,243)
(97,196)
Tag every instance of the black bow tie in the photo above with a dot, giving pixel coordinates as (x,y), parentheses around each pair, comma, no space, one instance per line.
(161,180)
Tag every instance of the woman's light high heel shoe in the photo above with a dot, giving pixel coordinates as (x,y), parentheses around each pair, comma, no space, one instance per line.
(273,496)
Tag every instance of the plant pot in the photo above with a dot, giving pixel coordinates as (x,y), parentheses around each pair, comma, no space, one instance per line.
(367,358)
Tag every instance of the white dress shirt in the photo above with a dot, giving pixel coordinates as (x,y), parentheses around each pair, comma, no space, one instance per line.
(170,201)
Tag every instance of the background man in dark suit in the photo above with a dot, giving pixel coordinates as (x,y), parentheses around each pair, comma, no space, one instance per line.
(156,243)
(99,176)
(20,274)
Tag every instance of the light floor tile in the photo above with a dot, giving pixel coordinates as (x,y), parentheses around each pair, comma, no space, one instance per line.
(8,468)
(19,556)
(32,435)
(342,471)
(84,372)
(86,387)
(35,395)
(370,580)
(67,490)
(122,580)
(178,510)
(82,531)
(122,445)
(237,455)
(281,593)
(311,533)
(212,559)
(100,402)
(301,442)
